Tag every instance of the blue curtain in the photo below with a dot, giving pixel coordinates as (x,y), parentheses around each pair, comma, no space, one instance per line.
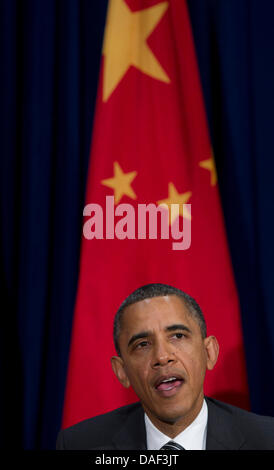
(49,58)
(50,54)
(234,41)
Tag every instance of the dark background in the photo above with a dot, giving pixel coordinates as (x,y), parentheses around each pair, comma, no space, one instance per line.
(49,62)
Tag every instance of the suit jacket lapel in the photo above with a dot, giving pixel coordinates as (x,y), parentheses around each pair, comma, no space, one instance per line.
(222,433)
(132,434)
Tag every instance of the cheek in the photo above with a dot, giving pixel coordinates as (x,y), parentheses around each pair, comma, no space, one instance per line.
(193,360)
(138,374)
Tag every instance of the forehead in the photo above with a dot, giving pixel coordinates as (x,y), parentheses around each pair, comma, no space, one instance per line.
(156,312)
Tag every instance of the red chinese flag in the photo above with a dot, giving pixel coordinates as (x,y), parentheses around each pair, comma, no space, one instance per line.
(150,145)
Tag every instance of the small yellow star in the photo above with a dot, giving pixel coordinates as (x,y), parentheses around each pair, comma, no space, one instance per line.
(210,165)
(125,43)
(121,183)
(175,198)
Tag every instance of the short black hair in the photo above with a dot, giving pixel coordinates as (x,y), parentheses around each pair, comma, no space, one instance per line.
(157,290)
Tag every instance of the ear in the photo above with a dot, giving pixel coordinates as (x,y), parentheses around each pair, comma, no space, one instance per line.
(118,368)
(212,351)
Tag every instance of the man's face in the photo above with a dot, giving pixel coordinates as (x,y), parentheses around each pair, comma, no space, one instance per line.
(164,358)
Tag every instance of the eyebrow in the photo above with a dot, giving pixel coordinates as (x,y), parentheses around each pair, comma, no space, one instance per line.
(146,334)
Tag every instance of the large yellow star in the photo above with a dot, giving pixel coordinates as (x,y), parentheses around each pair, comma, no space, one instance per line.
(210,165)
(125,43)
(121,183)
(175,198)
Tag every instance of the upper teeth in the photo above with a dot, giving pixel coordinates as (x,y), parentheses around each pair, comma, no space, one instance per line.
(168,380)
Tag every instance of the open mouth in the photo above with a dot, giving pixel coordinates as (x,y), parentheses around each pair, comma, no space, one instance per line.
(167,386)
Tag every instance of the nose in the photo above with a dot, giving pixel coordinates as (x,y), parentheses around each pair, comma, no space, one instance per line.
(162,354)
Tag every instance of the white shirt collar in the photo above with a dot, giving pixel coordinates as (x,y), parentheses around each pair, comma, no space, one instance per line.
(192,438)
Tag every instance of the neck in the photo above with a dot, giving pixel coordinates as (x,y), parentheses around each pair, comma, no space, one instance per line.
(178,424)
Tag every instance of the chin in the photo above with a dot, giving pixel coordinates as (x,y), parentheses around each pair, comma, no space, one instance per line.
(172,414)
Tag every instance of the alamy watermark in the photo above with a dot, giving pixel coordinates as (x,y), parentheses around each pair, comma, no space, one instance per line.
(132,223)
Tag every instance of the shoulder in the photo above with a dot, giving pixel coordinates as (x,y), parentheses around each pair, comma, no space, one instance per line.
(257,430)
(238,413)
(97,431)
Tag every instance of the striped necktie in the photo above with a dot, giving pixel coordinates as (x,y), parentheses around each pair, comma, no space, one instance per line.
(171,445)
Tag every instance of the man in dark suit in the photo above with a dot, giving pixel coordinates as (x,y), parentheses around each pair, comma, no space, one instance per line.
(163,352)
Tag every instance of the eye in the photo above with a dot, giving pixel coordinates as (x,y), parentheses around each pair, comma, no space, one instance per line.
(142,344)
(179,335)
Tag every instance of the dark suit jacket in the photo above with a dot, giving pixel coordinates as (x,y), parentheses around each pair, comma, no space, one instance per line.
(228,428)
